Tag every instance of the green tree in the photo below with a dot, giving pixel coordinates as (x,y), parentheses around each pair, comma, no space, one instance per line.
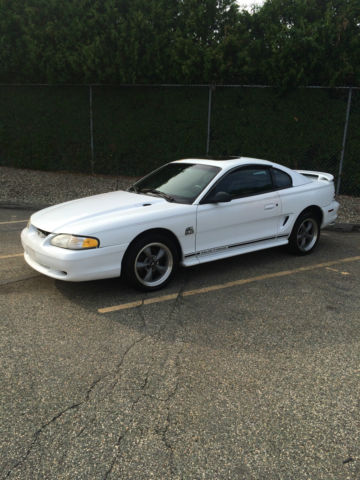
(285,42)
(306,42)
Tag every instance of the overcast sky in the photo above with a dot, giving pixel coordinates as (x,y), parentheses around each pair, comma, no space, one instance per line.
(248,3)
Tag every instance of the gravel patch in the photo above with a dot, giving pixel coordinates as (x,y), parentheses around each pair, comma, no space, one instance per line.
(33,187)
(349,209)
(20,187)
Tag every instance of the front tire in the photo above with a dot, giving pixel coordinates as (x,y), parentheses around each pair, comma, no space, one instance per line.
(150,262)
(305,234)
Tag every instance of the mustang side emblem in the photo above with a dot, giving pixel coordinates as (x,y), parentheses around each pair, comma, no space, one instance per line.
(189,230)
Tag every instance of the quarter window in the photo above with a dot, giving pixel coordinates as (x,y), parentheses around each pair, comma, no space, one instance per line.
(281,179)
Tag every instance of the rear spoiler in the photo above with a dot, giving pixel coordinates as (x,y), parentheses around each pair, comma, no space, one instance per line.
(327,177)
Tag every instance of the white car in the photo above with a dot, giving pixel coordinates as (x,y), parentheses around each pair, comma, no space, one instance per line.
(187,212)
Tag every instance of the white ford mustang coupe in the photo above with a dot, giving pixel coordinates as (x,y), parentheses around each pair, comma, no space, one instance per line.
(187,212)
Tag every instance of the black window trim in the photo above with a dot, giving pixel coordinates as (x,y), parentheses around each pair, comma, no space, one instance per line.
(250,165)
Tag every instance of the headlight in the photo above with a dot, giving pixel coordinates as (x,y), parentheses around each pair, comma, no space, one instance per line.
(73,242)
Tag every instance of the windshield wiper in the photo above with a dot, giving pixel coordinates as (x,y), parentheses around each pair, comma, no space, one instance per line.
(167,197)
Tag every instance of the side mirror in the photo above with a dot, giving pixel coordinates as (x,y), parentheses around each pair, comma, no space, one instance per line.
(220,197)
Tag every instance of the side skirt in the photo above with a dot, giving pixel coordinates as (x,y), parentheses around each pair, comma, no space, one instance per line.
(232,250)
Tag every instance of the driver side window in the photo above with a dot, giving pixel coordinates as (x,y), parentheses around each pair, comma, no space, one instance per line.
(245,181)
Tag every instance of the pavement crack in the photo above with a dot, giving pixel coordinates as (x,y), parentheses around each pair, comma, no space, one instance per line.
(80,432)
(141,315)
(115,375)
(17,280)
(142,387)
(117,448)
(180,299)
(122,359)
(91,388)
(163,432)
(130,347)
(38,433)
(76,405)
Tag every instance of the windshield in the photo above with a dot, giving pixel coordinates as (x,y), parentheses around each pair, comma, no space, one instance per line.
(179,182)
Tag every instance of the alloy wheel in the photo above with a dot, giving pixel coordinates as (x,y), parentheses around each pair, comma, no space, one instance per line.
(307,234)
(153,264)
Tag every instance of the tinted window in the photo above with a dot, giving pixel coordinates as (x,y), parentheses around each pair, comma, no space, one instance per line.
(281,179)
(245,181)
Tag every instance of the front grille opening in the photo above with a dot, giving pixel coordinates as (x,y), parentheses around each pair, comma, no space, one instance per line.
(43,233)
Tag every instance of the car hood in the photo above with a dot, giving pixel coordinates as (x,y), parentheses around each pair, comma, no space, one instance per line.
(85,213)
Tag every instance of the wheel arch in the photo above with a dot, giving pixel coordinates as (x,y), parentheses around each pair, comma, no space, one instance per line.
(315,209)
(161,231)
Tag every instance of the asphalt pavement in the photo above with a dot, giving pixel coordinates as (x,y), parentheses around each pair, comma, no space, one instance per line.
(246,368)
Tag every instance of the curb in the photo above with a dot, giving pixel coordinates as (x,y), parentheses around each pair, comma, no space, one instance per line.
(23,206)
(344,227)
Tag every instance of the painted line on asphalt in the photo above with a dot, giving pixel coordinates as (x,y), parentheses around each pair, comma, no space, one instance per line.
(337,271)
(13,221)
(222,286)
(2,257)
(138,303)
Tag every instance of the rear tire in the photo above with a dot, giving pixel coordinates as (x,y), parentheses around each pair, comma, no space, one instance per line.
(305,234)
(150,262)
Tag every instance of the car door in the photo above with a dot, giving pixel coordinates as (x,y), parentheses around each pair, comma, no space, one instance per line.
(251,215)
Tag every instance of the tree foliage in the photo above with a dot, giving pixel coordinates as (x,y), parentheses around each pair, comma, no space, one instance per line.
(285,42)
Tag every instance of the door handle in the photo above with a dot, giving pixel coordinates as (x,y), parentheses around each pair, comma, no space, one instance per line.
(270,206)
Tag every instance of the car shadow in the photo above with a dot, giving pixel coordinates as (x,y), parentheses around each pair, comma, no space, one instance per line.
(265,313)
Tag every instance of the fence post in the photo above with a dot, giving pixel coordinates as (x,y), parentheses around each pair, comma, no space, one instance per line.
(92,162)
(209,120)
(344,141)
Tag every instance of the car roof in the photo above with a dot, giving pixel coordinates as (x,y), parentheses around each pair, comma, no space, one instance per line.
(225,163)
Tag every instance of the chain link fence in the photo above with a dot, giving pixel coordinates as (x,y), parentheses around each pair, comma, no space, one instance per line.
(131,129)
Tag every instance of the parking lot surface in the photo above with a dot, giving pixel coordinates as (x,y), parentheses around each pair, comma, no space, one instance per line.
(246,368)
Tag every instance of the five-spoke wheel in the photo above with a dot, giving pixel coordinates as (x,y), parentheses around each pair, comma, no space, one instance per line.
(151,261)
(305,234)
(153,264)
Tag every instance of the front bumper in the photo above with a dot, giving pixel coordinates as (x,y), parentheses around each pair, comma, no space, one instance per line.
(70,265)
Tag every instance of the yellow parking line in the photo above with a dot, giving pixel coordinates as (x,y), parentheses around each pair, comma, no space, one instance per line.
(13,221)
(337,271)
(243,281)
(11,256)
(164,298)
(147,301)
(124,306)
